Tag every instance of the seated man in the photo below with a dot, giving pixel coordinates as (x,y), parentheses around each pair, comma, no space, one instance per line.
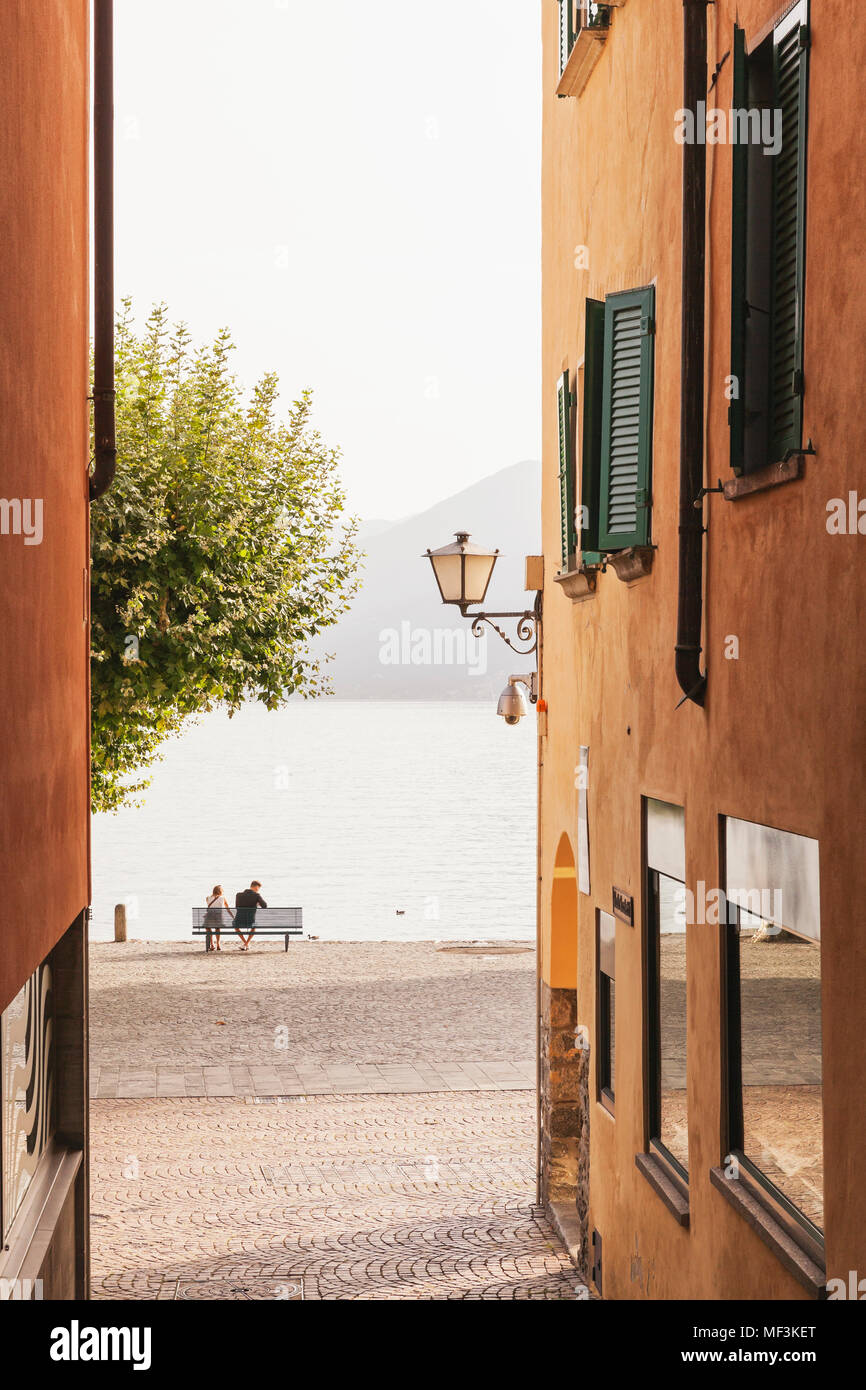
(246,903)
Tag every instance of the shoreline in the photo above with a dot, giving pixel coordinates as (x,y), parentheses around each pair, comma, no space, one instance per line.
(447,943)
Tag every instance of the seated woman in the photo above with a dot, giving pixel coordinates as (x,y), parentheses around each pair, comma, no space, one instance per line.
(218,915)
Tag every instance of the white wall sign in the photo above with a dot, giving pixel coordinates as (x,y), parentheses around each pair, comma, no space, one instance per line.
(582,822)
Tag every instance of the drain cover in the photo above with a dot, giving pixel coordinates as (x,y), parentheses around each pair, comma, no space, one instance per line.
(275,1100)
(287,1290)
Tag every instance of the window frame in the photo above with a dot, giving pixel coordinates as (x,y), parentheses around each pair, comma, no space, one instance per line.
(605,1016)
(38,1018)
(793,1222)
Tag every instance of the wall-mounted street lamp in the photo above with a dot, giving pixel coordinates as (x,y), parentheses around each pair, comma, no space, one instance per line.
(463,573)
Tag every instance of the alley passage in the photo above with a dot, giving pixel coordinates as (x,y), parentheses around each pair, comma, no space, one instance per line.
(350,1120)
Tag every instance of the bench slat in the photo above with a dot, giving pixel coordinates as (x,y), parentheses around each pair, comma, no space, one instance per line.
(279,919)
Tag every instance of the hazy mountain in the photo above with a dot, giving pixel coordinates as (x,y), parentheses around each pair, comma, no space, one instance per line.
(399,641)
(368,529)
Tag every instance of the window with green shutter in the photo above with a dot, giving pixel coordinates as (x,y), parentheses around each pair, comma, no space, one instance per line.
(627,418)
(790,71)
(736,409)
(564,402)
(568,27)
(593,406)
(768,245)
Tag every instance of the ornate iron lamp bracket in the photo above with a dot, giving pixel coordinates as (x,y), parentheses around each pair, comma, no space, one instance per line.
(527,628)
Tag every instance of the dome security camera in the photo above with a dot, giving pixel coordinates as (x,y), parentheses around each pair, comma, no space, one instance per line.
(512,703)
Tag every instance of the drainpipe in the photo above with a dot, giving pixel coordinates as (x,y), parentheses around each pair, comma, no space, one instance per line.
(105,444)
(691,534)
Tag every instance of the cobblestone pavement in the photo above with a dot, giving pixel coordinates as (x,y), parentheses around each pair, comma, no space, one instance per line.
(345,1120)
(168,1019)
(328,1197)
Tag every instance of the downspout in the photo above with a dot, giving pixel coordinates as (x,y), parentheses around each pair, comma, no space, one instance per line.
(691,531)
(105,444)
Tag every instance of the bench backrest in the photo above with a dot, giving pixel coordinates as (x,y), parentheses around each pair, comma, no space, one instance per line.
(285,919)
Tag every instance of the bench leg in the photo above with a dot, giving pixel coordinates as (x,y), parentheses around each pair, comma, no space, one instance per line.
(287,940)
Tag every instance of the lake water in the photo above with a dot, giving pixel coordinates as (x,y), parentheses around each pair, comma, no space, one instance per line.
(354,811)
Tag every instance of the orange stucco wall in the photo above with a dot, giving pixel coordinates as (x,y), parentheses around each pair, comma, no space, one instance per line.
(43,454)
(781,739)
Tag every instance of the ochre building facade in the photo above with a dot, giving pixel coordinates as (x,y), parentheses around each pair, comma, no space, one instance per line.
(703,958)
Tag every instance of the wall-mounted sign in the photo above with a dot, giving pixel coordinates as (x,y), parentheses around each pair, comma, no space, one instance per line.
(582,782)
(623,906)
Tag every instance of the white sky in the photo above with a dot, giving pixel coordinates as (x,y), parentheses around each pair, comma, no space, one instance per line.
(353,188)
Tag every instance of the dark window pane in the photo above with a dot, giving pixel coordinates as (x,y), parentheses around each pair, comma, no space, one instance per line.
(612,1038)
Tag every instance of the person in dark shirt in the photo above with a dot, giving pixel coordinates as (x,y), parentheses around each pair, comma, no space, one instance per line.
(246,903)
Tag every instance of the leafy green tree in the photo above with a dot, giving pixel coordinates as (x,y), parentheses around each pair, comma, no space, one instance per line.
(217,555)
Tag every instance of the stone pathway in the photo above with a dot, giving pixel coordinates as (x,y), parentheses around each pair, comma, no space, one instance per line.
(362,1197)
(167,1019)
(347,1121)
(311,1079)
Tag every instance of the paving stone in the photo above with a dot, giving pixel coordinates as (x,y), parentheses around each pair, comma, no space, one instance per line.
(417,1197)
(367,1128)
(158,1003)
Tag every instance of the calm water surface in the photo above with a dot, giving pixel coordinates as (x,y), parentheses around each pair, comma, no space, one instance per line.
(353,810)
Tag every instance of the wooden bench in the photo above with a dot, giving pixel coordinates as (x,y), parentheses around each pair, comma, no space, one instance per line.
(269,921)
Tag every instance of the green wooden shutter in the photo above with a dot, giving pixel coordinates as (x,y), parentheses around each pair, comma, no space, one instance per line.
(566,32)
(740,153)
(566,472)
(790,73)
(626,431)
(593,402)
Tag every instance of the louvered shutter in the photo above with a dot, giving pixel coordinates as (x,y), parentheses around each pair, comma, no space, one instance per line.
(566,32)
(790,73)
(626,432)
(593,405)
(566,472)
(740,154)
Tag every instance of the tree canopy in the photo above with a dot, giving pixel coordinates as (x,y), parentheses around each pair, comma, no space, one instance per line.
(218,554)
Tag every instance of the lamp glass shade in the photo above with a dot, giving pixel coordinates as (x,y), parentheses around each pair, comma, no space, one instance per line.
(462,570)
(477,572)
(448,570)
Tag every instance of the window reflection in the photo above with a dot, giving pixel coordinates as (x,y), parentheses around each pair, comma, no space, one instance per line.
(780,1025)
(27,1087)
(672,1129)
